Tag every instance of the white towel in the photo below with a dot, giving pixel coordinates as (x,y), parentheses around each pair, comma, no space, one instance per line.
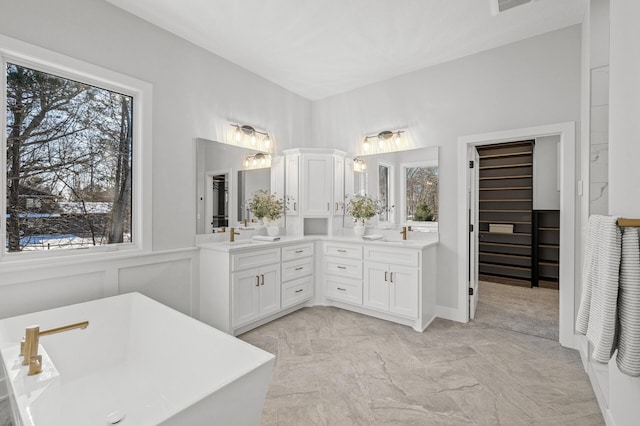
(373,237)
(598,305)
(628,358)
(265,238)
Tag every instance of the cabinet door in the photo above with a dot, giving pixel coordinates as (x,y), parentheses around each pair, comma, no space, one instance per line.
(376,286)
(292,168)
(245,289)
(338,186)
(318,184)
(403,283)
(269,289)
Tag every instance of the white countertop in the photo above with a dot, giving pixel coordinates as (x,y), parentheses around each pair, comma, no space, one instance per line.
(249,244)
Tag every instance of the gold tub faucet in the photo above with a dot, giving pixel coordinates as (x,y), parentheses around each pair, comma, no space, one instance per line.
(29,345)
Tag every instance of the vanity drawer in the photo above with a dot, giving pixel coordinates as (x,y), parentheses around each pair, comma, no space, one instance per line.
(344,289)
(396,256)
(351,251)
(296,269)
(297,251)
(252,258)
(297,291)
(346,268)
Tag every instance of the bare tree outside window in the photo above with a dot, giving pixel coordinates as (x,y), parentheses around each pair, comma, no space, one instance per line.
(69,163)
(422,194)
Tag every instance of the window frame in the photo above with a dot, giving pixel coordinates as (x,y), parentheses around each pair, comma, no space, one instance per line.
(27,55)
(427,226)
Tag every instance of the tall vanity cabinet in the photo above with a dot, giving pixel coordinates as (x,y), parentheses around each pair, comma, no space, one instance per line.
(315,190)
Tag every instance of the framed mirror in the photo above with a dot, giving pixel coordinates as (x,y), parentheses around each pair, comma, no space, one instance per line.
(405,182)
(227,176)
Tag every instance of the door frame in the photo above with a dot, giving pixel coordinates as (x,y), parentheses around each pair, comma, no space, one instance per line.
(568,219)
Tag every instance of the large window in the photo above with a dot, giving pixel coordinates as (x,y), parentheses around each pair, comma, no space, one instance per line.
(69,163)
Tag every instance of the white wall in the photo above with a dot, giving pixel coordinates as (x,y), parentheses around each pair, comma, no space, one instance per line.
(194,94)
(530,83)
(624,173)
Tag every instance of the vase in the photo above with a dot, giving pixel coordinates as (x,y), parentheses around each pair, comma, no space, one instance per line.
(359,230)
(273,230)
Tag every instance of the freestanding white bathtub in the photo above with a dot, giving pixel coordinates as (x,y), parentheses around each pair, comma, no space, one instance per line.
(138,363)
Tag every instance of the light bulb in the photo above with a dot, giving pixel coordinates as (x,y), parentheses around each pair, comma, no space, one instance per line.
(263,161)
(365,145)
(398,138)
(246,162)
(267,141)
(253,139)
(238,134)
(255,162)
(380,143)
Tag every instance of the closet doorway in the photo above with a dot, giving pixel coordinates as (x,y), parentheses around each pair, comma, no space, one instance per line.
(471,267)
(517,204)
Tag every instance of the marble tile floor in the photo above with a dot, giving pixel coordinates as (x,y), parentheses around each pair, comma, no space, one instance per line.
(5,414)
(526,310)
(336,367)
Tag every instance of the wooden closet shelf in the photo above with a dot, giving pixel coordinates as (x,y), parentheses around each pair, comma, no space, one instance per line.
(519,234)
(485,243)
(510,256)
(549,263)
(502,265)
(508,154)
(554,246)
(506,177)
(506,166)
(511,188)
(507,200)
(549,228)
(504,221)
(504,211)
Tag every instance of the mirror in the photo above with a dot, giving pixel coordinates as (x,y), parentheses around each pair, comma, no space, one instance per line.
(405,182)
(225,183)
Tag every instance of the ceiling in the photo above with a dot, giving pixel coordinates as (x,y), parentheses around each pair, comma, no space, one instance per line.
(319,48)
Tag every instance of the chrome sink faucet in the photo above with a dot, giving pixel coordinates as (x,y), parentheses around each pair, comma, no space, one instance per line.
(29,345)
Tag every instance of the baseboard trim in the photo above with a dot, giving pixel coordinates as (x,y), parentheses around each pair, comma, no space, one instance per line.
(453,314)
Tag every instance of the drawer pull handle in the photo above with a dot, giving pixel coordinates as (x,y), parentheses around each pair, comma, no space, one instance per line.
(299,268)
(391,277)
(299,291)
(342,267)
(385,275)
(262,276)
(341,251)
(257,281)
(299,251)
(336,206)
(328,207)
(341,289)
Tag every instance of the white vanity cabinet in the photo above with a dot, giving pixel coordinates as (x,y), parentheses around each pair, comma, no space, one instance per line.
(317,184)
(297,274)
(292,179)
(243,288)
(338,185)
(342,271)
(391,282)
(255,293)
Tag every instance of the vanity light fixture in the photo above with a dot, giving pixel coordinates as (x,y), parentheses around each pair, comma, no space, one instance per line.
(249,137)
(359,165)
(387,141)
(257,161)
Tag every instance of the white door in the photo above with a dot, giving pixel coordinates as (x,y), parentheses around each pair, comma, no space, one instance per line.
(474,230)
(338,185)
(403,283)
(318,184)
(292,171)
(269,289)
(245,302)
(376,286)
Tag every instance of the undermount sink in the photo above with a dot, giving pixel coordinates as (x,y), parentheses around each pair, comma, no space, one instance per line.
(137,363)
